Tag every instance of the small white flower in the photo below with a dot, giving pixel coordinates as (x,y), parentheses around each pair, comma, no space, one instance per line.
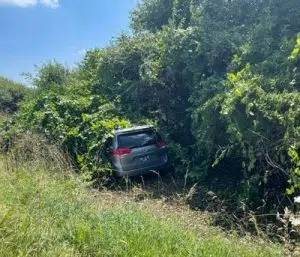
(296,222)
(297,199)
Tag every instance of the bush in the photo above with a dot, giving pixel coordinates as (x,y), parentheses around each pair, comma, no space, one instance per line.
(80,129)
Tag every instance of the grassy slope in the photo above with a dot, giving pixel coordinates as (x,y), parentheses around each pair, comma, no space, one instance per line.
(43,214)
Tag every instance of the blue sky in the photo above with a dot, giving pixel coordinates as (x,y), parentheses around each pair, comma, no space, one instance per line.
(34,31)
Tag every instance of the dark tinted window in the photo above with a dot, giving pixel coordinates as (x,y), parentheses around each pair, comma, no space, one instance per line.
(137,139)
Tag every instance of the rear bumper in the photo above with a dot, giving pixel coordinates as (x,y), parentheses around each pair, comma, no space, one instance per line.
(141,171)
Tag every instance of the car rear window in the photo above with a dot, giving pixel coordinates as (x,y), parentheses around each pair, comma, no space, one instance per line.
(137,139)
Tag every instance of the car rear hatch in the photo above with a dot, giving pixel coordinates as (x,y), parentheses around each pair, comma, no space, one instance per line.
(141,149)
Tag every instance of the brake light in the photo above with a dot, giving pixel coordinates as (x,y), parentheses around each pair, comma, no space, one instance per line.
(161,144)
(121,151)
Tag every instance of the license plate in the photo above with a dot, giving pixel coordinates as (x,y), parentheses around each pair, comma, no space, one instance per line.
(145,158)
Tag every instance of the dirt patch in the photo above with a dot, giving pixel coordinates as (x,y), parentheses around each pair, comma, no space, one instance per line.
(160,196)
(201,212)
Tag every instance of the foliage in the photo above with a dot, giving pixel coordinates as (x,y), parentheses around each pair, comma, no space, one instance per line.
(152,15)
(11,94)
(259,129)
(82,123)
(296,50)
(293,152)
(233,77)
(49,76)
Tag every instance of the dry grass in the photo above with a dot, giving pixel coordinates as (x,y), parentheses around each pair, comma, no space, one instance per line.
(34,150)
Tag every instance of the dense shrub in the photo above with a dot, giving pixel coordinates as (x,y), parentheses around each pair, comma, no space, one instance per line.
(81,123)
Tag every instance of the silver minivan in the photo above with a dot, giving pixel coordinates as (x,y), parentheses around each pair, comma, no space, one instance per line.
(138,150)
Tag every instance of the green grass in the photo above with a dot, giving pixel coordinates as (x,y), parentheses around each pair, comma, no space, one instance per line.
(43,214)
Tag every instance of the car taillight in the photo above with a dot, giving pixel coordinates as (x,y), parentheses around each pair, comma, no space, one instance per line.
(121,151)
(161,144)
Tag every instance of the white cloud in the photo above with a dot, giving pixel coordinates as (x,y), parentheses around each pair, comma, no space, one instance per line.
(27,3)
(50,3)
(22,3)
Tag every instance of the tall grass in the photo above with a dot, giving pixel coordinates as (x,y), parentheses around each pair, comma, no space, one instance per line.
(45,211)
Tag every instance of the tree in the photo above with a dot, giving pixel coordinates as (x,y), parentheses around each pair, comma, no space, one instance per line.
(11,94)
(151,15)
(49,75)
